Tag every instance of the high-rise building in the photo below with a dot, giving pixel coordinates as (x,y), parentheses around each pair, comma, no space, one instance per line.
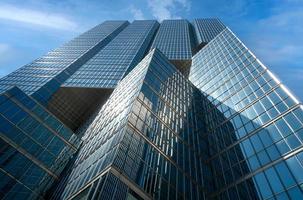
(149,136)
(89,87)
(206,30)
(34,149)
(175,40)
(262,144)
(180,110)
(44,77)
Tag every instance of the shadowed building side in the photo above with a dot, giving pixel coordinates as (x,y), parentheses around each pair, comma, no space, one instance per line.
(90,86)
(34,146)
(145,142)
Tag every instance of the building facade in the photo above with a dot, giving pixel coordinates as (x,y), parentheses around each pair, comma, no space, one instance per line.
(259,139)
(89,87)
(142,110)
(175,39)
(35,146)
(149,139)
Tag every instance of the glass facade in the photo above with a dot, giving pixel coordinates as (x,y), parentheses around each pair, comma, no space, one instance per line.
(207,29)
(108,66)
(255,146)
(198,117)
(175,40)
(148,133)
(34,146)
(90,86)
(42,77)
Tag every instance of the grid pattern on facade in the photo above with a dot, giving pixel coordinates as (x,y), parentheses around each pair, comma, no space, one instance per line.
(102,136)
(163,137)
(256,139)
(207,29)
(151,133)
(107,67)
(34,149)
(230,131)
(45,75)
(109,186)
(173,40)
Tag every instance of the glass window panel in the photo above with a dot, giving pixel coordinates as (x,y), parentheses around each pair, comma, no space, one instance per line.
(296,168)
(283,127)
(274,133)
(273,180)
(247,147)
(285,174)
(256,142)
(293,141)
(263,186)
(254,163)
(273,152)
(263,157)
(295,193)
(283,147)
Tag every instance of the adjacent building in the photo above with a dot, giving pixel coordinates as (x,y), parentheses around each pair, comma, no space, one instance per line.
(142,110)
(34,146)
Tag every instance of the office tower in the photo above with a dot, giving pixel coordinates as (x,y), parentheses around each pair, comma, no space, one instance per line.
(206,30)
(200,117)
(34,146)
(148,143)
(89,87)
(175,40)
(42,77)
(266,133)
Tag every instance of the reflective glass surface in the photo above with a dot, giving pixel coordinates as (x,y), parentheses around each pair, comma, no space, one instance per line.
(34,146)
(231,130)
(254,123)
(42,77)
(123,53)
(207,29)
(173,39)
(148,131)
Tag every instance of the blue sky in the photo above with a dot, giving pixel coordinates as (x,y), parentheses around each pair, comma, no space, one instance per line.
(272,29)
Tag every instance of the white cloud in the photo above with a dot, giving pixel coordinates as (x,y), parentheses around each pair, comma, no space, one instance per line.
(137,13)
(34,17)
(288,20)
(278,38)
(167,9)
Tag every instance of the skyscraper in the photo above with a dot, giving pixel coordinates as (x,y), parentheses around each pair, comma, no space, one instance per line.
(263,144)
(180,110)
(93,82)
(174,39)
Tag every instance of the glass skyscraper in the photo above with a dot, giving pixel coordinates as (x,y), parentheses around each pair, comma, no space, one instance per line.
(92,83)
(175,40)
(142,110)
(262,144)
